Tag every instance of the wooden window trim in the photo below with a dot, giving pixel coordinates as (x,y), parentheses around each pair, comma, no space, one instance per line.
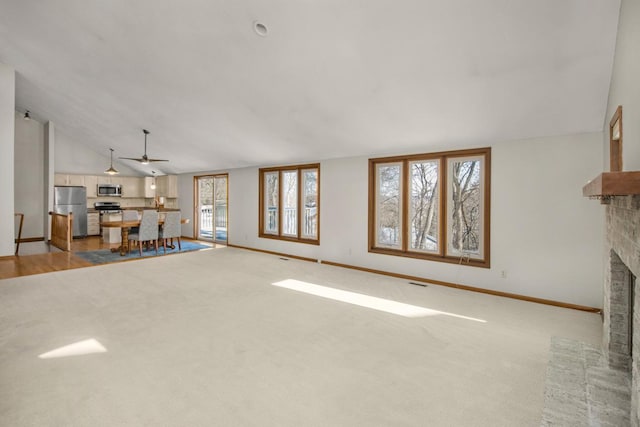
(441,208)
(196,225)
(443,156)
(261,219)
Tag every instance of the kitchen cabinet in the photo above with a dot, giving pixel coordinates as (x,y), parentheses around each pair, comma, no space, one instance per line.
(131,187)
(65,179)
(167,186)
(93,224)
(106,179)
(149,192)
(111,234)
(91,182)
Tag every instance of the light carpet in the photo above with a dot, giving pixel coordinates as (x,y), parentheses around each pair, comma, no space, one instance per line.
(207,339)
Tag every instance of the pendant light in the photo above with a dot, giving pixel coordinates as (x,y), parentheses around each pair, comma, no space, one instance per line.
(111,170)
(26,116)
(153,181)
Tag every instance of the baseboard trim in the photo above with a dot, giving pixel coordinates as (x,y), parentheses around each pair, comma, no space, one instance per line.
(469,288)
(436,282)
(272,253)
(7,257)
(29,239)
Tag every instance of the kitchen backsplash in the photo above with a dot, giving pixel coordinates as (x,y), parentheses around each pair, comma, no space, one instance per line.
(126,203)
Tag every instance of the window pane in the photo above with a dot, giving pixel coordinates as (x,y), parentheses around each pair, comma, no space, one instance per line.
(220,208)
(424,205)
(310,200)
(388,205)
(465,205)
(271,202)
(290,203)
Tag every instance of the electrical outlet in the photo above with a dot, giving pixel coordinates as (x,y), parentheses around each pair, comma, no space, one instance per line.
(503,274)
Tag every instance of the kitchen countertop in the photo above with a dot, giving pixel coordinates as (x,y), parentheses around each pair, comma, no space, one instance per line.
(137,208)
(142,208)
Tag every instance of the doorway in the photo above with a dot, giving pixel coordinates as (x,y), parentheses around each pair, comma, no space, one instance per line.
(211,207)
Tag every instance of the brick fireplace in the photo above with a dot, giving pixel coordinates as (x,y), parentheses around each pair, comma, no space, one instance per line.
(621,337)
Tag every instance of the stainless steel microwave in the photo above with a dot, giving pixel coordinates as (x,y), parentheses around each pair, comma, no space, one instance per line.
(109,190)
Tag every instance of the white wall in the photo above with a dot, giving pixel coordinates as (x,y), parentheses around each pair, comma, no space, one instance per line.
(73,157)
(544,234)
(625,86)
(7,126)
(29,175)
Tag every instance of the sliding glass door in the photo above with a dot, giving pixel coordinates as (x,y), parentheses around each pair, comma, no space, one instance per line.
(211,211)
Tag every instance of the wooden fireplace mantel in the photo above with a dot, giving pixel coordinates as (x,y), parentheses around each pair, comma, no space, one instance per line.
(609,184)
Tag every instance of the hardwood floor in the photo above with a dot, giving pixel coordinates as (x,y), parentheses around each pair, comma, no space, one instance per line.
(25,265)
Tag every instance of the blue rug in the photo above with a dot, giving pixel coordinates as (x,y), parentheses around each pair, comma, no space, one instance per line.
(105,255)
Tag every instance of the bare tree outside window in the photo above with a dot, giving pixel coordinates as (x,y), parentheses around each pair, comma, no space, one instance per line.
(388,211)
(424,205)
(465,210)
(310,197)
(271,203)
(433,206)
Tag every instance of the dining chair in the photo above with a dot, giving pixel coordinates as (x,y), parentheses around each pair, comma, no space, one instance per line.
(131,215)
(171,229)
(148,230)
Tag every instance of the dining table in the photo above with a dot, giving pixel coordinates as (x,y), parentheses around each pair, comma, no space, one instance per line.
(125,227)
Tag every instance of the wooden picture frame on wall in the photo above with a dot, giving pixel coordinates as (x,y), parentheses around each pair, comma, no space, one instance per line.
(615,141)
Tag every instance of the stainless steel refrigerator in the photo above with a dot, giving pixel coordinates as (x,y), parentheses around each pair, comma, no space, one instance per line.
(72,200)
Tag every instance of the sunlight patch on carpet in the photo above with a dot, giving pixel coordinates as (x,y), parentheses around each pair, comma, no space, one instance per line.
(90,346)
(375,303)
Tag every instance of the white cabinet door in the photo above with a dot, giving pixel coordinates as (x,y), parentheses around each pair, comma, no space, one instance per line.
(172,186)
(161,186)
(93,224)
(167,186)
(60,179)
(131,186)
(115,180)
(149,192)
(76,180)
(66,179)
(108,179)
(91,182)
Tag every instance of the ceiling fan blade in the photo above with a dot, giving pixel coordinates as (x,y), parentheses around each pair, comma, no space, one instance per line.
(144,159)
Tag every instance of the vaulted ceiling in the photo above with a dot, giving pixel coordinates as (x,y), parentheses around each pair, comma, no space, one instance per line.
(329,79)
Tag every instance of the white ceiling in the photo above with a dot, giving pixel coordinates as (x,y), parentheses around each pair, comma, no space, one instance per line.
(331,79)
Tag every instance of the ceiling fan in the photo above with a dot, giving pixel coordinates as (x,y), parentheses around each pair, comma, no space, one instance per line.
(145,160)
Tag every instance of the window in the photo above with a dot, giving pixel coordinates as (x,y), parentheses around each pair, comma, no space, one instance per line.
(290,203)
(432,206)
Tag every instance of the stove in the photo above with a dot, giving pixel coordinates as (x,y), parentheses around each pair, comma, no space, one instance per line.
(108,207)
